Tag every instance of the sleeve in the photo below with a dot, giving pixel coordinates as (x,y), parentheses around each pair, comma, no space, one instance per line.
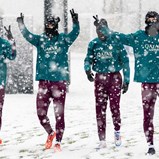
(127,39)
(71,37)
(89,57)
(31,38)
(9,51)
(125,65)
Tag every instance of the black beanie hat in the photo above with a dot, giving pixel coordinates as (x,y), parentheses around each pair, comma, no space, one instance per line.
(151,14)
(52,20)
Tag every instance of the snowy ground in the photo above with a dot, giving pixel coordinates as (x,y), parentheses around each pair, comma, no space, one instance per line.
(24,137)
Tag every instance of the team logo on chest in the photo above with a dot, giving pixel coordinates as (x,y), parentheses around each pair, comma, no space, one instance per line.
(152,47)
(104,55)
(52,50)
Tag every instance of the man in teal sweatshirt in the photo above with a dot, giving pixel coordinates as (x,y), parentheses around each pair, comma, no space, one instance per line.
(52,72)
(145,45)
(107,57)
(7,51)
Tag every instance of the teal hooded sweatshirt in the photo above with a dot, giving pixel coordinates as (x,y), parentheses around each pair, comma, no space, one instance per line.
(107,56)
(146,53)
(6,52)
(52,54)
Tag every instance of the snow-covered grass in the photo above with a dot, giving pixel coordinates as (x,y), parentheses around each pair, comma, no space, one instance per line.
(23,136)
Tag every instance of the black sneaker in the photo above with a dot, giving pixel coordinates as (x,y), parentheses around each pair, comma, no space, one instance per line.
(151,151)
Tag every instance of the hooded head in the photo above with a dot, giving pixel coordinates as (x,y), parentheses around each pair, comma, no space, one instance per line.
(51,25)
(102,29)
(151,17)
(152,23)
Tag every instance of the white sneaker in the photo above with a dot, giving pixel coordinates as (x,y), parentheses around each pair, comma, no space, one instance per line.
(102,145)
(117,138)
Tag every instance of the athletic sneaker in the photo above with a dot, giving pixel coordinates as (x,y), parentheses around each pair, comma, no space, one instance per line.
(0,141)
(117,138)
(57,147)
(49,140)
(151,151)
(102,145)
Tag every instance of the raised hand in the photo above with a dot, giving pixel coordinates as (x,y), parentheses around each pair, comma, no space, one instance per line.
(74,16)
(8,33)
(96,22)
(57,20)
(21,18)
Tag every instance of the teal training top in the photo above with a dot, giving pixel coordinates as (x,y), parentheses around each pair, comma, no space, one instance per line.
(52,54)
(107,56)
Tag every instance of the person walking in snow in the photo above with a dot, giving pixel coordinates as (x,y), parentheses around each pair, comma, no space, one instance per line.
(52,72)
(7,51)
(145,45)
(107,57)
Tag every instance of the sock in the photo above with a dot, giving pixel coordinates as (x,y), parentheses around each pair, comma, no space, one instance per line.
(151,146)
(58,142)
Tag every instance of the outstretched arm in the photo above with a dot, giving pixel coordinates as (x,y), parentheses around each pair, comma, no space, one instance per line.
(32,38)
(103,26)
(10,48)
(71,37)
(127,39)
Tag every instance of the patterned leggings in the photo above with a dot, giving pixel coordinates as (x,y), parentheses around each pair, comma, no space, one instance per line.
(149,96)
(107,87)
(57,91)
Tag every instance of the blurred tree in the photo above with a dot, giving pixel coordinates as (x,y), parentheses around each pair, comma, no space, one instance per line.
(1,26)
(1,22)
(47,8)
